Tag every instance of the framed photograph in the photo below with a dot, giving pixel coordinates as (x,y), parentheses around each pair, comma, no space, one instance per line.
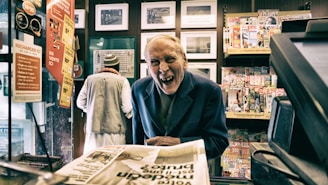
(200,44)
(158,15)
(206,69)
(143,70)
(199,14)
(112,17)
(79,18)
(122,47)
(125,56)
(145,37)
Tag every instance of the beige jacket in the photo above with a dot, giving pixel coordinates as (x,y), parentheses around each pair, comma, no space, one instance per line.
(106,98)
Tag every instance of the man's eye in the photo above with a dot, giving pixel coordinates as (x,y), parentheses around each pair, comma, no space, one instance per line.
(154,62)
(170,59)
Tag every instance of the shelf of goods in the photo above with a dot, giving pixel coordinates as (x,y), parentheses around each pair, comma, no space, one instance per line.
(247,115)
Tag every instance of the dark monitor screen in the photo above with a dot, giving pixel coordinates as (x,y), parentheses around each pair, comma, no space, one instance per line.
(286,131)
(288,140)
(297,25)
(294,25)
(274,116)
(316,53)
(283,125)
(300,61)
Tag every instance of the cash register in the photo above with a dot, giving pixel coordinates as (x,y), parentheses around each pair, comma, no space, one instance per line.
(297,148)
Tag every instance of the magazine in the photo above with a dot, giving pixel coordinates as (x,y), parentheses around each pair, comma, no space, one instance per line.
(184,164)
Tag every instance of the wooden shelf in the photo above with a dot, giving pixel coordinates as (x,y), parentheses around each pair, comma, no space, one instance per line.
(247,51)
(247,115)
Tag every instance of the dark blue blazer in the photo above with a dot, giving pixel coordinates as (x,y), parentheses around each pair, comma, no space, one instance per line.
(198,113)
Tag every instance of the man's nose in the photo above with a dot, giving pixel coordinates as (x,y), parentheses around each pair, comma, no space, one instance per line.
(163,67)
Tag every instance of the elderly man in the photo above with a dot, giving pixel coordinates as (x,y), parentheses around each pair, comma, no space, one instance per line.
(172,105)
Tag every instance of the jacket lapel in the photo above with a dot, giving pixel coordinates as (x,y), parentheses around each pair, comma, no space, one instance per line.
(181,104)
(150,102)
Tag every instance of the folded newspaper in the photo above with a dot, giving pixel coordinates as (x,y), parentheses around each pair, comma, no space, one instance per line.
(183,164)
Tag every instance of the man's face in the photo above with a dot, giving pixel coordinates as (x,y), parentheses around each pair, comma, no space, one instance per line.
(166,64)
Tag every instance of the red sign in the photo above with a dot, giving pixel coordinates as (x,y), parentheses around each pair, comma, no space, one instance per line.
(60,38)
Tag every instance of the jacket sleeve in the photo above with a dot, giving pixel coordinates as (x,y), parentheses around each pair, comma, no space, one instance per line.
(212,124)
(215,131)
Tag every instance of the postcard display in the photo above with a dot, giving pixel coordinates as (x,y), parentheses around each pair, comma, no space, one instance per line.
(249,90)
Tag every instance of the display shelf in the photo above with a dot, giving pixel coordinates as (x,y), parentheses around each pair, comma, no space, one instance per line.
(246,51)
(249,32)
(247,115)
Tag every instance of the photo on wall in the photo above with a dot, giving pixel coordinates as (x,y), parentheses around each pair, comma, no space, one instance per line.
(158,15)
(79,18)
(200,44)
(125,56)
(199,14)
(111,17)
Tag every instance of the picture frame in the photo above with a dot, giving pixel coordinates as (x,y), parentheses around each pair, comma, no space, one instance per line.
(158,15)
(125,56)
(206,69)
(199,14)
(199,44)
(123,47)
(112,17)
(143,70)
(79,18)
(145,38)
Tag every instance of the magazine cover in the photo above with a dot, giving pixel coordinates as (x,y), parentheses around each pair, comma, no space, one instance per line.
(235,160)
(268,22)
(185,163)
(236,39)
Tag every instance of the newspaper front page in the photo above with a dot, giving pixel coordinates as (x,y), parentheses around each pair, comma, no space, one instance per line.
(183,164)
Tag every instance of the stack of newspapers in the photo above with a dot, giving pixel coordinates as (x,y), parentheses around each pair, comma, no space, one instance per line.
(181,164)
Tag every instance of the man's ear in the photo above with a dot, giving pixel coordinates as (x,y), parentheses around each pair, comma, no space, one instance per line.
(185,63)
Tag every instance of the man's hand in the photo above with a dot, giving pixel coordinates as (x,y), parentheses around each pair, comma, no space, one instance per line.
(163,141)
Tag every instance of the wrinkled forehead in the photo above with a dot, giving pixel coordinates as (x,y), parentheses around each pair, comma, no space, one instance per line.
(160,41)
(164,41)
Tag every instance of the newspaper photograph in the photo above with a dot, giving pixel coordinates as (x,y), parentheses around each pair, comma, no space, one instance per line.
(183,164)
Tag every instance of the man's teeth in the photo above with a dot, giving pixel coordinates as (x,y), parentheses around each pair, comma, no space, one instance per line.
(167,79)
